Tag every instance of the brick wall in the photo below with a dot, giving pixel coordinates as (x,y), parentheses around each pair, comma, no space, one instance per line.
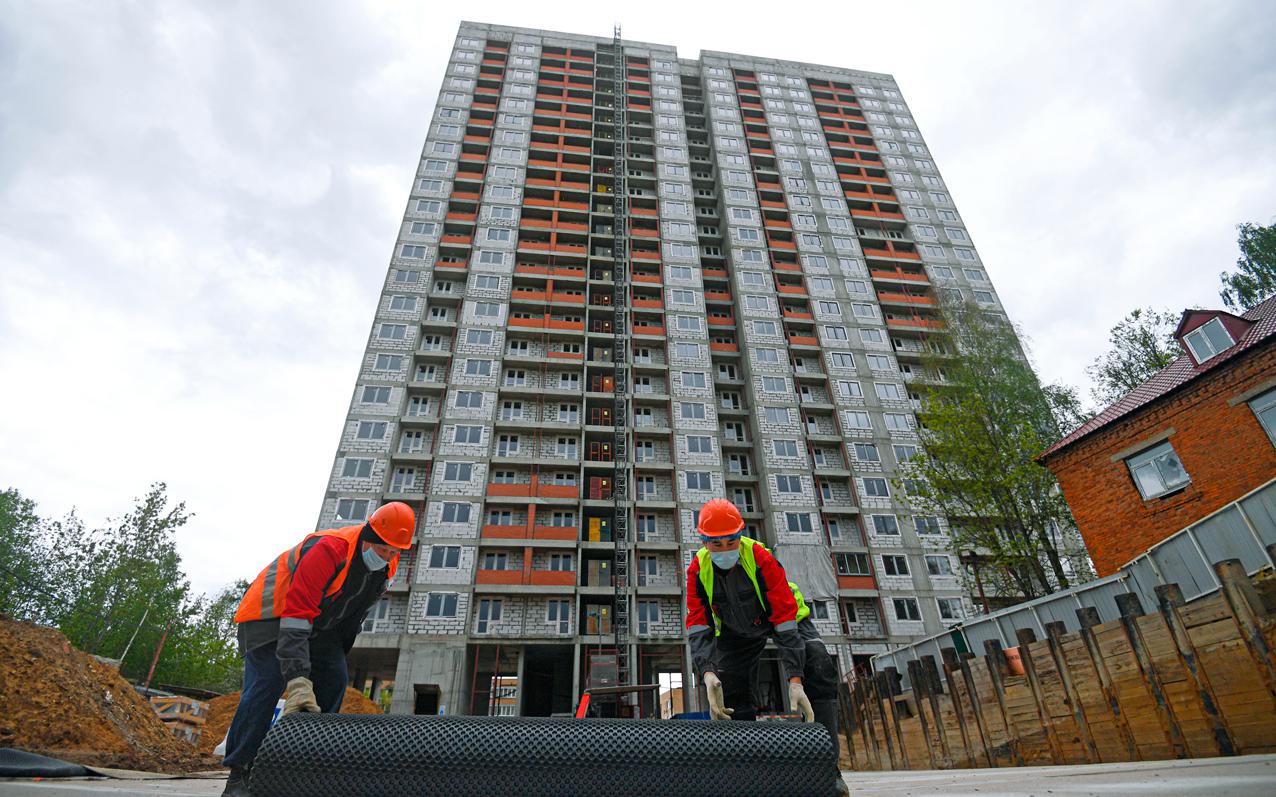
(1223,449)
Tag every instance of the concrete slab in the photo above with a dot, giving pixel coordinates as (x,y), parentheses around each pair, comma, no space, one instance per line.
(1243,776)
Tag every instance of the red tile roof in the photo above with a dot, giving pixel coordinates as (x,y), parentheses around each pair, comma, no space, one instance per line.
(1175,375)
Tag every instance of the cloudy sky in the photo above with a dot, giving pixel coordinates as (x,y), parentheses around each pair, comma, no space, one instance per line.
(198,202)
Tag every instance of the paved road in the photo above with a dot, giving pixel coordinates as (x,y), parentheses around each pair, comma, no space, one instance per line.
(1245,776)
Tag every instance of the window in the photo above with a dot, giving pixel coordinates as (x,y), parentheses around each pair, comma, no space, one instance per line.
(566,447)
(698,444)
(375,395)
(867,452)
(1157,471)
(848,389)
(765,328)
(788,484)
(458,471)
(699,480)
(688,351)
(1264,408)
(906,609)
(471,399)
(489,611)
(785,448)
(648,615)
(939,566)
(871,336)
(852,564)
(798,522)
(895,565)
(777,414)
(885,524)
(926,524)
(858,420)
(388,362)
(950,608)
(440,604)
(875,487)
(371,430)
(478,367)
(766,355)
(842,359)
(352,509)
(889,391)
(392,332)
(694,379)
(692,410)
(456,513)
(1208,340)
(897,422)
(445,556)
(775,384)
(468,435)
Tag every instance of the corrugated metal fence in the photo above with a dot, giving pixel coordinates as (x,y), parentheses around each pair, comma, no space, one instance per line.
(1241,530)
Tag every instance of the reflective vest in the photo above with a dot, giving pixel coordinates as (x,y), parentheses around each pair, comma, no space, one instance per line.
(750,566)
(265,597)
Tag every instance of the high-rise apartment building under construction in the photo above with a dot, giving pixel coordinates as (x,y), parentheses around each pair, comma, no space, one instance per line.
(626,283)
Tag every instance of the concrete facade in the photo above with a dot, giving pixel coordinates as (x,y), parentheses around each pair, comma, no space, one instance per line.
(790,234)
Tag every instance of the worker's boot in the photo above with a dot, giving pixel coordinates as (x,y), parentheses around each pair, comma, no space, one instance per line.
(237,783)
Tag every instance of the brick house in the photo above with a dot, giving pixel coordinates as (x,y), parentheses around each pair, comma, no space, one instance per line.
(1198,435)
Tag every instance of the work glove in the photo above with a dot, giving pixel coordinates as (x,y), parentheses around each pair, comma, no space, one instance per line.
(717,706)
(798,701)
(301,697)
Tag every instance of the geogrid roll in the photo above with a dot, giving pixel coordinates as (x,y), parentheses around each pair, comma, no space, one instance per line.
(336,755)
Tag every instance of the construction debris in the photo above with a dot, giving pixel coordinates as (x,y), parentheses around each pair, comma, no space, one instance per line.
(58,701)
(184,716)
(221,710)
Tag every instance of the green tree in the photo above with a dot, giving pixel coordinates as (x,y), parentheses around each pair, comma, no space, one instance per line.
(24,588)
(124,582)
(1140,345)
(202,651)
(1255,276)
(983,424)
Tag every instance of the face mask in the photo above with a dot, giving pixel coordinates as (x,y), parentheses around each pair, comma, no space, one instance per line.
(373,561)
(725,559)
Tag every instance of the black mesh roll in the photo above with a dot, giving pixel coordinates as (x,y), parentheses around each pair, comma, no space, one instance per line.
(369,755)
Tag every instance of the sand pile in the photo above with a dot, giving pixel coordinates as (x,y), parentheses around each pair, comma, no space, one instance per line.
(221,710)
(57,701)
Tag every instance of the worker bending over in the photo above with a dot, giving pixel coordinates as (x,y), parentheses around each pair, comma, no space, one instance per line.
(300,618)
(738,595)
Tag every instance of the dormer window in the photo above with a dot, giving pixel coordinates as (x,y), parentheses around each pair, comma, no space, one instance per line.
(1208,340)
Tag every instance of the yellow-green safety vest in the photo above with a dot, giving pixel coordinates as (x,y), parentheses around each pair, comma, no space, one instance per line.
(750,565)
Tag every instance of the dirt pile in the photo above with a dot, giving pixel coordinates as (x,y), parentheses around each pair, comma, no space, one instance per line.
(57,701)
(221,710)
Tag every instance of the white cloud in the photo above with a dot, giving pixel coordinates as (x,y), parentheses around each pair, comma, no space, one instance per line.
(197,204)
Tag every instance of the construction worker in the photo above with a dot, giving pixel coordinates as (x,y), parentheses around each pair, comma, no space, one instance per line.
(299,619)
(738,596)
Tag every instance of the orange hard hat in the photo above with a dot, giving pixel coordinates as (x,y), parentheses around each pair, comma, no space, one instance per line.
(394,524)
(720,518)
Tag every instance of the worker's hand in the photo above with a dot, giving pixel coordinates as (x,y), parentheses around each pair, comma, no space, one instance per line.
(717,706)
(301,697)
(799,702)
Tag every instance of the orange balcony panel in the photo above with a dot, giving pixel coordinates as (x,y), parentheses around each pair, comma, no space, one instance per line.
(526,293)
(567,355)
(797,314)
(786,267)
(724,346)
(446,264)
(534,323)
(505,532)
(793,290)
(486,90)
(481,122)
(644,329)
(640,255)
(454,216)
(787,245)
(642,211)
(478,139)
(568,298)
(465,195)
(476,157)
(803,340)
(546,245)
(916,321)
(578,326)
(641,233)
(554,532)
(463,240)
(876,214)
(558,491)
(856,582)
(715,272)
(650,304)
(898,275)
(509,489)
(718,296)
(905,298)
(553,578)
(498,576)
(891,253)
(715,321)
(647,278)
(768,203)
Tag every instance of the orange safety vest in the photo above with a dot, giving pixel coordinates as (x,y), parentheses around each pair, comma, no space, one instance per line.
(265,597)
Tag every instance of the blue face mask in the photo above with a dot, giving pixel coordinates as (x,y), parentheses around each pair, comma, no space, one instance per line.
(725,559)
(372,561)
